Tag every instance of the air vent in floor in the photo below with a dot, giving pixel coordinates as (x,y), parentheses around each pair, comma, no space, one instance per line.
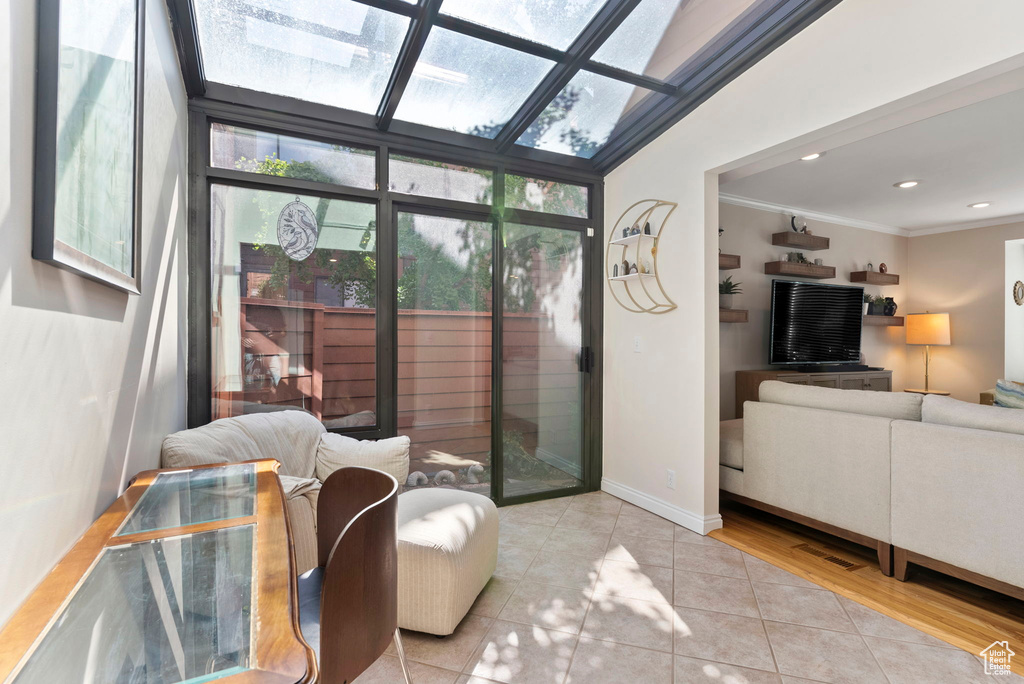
(829,558)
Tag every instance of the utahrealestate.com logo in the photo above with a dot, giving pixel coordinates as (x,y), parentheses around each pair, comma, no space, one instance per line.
(997,658)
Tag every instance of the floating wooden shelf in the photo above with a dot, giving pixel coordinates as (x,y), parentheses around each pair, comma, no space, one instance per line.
(884,320)
(800,241)
(874,278)
(727,262)
(798,270)
(732,315)
(632,239)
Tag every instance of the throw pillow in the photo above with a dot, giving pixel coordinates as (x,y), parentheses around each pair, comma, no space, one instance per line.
(337,451)
(1009,394)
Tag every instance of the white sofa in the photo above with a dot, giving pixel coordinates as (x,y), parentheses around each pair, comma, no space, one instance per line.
(447,538)
(936,478)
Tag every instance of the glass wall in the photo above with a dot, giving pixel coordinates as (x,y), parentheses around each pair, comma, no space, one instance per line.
(293,304)
(444,348)
(542,378)
(384,324)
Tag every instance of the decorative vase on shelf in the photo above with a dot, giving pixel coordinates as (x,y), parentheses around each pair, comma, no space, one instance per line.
(889,308)
(725,301)
(867,308)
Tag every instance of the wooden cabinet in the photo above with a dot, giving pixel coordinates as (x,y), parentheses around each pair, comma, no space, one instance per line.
(748,382)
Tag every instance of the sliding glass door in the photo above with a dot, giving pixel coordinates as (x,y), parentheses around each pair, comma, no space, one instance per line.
(389,294)
(445,302)
(543,360)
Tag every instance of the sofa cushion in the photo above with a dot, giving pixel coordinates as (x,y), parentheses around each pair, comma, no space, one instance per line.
(731,443)
(290,437)
(956,413)
(895,405)
(1009,394)
(338,451)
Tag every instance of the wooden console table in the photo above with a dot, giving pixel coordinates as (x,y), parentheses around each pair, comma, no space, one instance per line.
(748,382)
(188,577)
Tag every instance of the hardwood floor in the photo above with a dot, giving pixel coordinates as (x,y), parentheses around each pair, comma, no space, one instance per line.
(961,614)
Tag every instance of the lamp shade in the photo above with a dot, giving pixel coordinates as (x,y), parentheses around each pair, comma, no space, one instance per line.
(928,328)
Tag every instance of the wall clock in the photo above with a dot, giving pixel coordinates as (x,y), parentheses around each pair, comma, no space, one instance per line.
(1018,293)
(297,231)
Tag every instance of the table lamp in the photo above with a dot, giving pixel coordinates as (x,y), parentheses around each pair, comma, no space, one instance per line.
(928,329)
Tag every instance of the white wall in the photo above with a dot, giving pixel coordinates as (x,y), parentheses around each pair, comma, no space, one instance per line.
(1013,361)
(748,232)
(965,273)
(91,378)
(661,406)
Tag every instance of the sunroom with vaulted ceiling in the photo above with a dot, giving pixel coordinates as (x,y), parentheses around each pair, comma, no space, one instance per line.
(447,157)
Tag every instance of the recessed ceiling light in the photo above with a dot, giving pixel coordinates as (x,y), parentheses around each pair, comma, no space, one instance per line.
(811,157)
(905,184)
(979,205)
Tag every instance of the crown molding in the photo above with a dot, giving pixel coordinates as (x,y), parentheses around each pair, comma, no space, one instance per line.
(813,215)
(983,223)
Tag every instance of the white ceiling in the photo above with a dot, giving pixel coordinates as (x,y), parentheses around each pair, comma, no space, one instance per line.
(968,155)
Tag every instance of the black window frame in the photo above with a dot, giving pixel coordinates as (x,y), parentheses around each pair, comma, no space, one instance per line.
(203,113)
(757,31)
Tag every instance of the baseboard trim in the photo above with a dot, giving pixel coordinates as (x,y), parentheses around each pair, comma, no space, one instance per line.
(701,524)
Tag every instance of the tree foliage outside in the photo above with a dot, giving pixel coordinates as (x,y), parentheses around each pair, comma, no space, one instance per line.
(431,279)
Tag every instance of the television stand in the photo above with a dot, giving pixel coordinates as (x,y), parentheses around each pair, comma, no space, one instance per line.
(749,381)
(841,368)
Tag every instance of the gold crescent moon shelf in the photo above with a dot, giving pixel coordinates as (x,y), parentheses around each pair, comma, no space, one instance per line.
(640,292)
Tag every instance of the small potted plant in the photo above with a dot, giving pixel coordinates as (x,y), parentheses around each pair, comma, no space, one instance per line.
(867,303)
(877,307)
(726,290)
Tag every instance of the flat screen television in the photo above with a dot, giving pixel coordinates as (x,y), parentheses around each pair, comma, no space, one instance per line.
(815,324)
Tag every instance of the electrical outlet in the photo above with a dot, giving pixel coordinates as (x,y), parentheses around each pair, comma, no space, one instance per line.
(671,480)
(636,344)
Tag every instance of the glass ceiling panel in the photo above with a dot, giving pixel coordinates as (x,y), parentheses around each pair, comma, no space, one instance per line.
(551,22)
(468,85)
(660,35)
(335,52)
(583,116)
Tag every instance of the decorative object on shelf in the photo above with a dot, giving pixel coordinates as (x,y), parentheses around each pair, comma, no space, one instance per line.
(625,232)
(801,259)
(643,294)
(928,329)
(615,270)
(877,307)
(807,231)
(882,268)
(297,230)
(889,308)
(798,224)
(1018,293)
(819,262)
(867,303)
(90,78)
(869,267)
(726,290)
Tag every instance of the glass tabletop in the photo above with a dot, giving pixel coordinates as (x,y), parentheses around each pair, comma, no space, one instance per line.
(189,497)
(167,611)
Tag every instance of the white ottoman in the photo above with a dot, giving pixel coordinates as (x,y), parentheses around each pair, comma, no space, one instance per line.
(447,551)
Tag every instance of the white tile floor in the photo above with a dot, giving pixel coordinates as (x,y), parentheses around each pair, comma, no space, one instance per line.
(593,590)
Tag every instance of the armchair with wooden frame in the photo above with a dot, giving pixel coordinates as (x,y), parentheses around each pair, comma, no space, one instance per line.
(349,603)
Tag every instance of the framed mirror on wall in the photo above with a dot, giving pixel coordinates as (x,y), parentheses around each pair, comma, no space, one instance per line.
(88,163)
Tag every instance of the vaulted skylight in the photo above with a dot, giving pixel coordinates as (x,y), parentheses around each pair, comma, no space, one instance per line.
(563,81)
